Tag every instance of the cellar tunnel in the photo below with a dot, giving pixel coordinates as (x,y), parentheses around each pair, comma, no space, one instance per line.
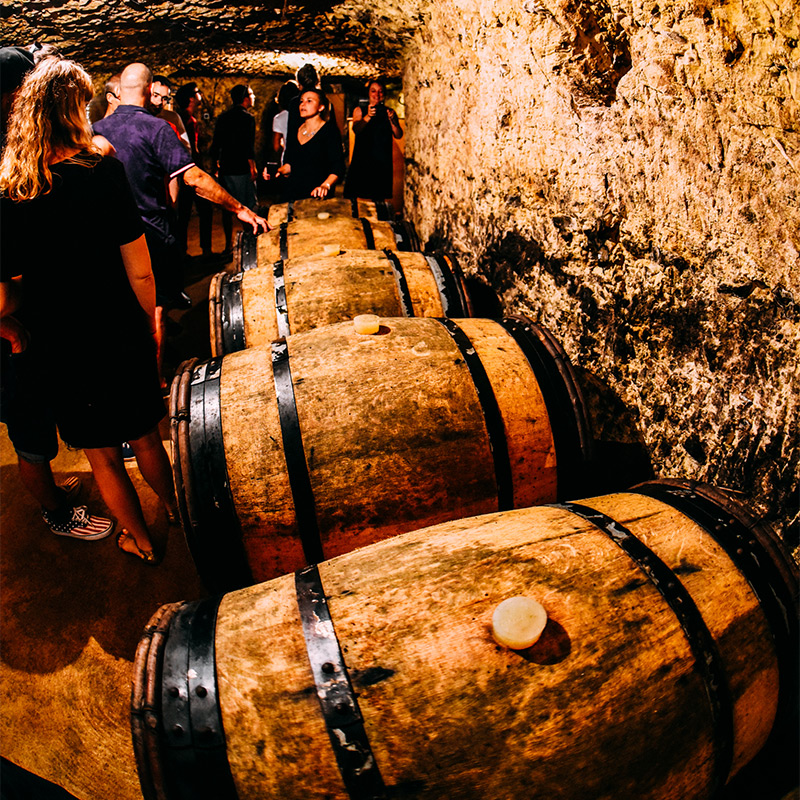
(623,172)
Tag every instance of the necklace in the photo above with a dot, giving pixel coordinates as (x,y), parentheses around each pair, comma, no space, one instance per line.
(305,132)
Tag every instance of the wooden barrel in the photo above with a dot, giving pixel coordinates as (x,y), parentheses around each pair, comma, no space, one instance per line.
(307,237)
(253,307)
(311,208)
(313,446)
(669,650)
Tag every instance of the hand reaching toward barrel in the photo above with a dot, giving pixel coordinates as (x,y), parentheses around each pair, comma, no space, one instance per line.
(259,224)
(321,191)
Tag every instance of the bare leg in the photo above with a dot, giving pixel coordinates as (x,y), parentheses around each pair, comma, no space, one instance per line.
(38,480)
(155,467)
(118,492)
(160,321)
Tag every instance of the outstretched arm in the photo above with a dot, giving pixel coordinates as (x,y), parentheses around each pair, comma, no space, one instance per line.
(209,189)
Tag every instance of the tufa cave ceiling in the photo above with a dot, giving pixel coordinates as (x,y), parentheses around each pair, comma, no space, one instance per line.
(353,38)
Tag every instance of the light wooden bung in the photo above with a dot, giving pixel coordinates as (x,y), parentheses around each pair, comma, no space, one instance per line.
(367,323)
(323,215)
(330,249)
(518,622)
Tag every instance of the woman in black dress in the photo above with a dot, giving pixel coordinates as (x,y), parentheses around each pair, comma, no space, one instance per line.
(370,172)
(74,256)
(314,159)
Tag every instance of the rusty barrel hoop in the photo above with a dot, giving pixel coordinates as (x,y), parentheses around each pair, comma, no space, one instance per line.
(200,472)
(753,548)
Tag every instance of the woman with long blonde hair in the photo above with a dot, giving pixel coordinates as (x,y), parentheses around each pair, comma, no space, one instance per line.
(72,232)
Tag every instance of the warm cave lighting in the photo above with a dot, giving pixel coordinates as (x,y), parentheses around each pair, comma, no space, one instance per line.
(270,62)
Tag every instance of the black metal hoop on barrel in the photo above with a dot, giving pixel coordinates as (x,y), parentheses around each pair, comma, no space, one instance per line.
(707,659)
(296,464)
(337,699)
(495,429)
(562,398)
(208,513)
(758,554)
(402,284)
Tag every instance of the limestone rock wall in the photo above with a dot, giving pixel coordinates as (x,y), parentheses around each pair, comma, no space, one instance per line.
(628,173)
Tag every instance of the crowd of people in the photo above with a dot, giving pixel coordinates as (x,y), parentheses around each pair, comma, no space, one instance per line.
(96,194)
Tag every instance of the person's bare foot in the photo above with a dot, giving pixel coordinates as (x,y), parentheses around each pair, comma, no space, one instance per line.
(128,544)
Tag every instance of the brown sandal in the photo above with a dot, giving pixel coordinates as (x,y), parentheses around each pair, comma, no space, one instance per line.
(148,556)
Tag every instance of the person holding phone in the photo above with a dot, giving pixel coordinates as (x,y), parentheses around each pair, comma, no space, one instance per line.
(370,172)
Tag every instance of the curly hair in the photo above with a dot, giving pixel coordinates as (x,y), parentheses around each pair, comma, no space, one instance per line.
(47,118)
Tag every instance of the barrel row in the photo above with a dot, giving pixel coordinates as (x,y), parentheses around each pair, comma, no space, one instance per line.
(671,642)
(672,618)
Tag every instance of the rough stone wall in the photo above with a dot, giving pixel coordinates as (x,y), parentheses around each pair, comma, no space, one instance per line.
(627,172)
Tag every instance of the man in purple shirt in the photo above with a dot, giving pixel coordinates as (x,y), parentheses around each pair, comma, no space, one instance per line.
(154,159)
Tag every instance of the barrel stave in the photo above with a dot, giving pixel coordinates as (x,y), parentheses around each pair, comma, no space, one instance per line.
(256,463)
(532,453)
(380,422)
(425,297)
(258,301)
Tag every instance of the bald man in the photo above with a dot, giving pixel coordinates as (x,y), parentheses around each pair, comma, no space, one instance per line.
(151,152)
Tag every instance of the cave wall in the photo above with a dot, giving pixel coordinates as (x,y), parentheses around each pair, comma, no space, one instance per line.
(626,173)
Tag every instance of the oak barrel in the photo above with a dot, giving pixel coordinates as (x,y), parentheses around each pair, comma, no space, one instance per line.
(311,208)
(669,652)
(253,307)
(329,440)
(306,237)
